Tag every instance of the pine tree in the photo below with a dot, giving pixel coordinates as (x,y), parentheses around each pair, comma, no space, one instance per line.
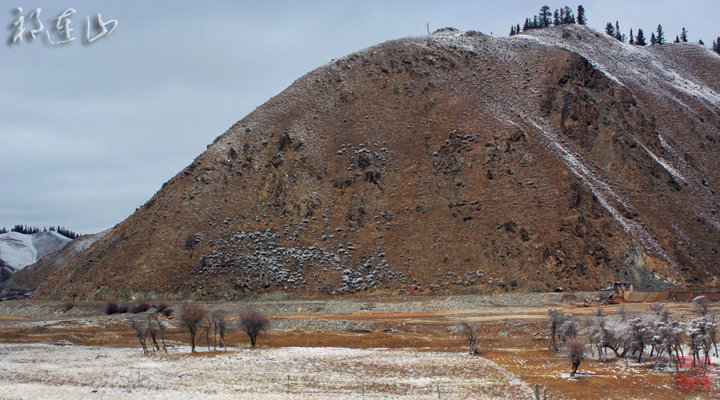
(544,17)
(619,36)
(701,43)
(677,39)
(512,30)
(517,29)
(609,29)
(632,38)
(716,45)
(660,38)
(683,35)
(653,40)
(640,40)
(569,18)
(556,18)
(526,25)
(581,15)
(535,24)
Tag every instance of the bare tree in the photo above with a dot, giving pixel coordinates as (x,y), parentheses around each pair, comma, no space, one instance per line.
(713,330)
(191,316)
(700,305)
(576,354)
(152,331)
(159,328)
(472,333)
(220,325)
(701,334)
(140,327)
(555,320)
(568,329)
(640,336)
(667,337)
(599,334)
(253,324)
(206,325)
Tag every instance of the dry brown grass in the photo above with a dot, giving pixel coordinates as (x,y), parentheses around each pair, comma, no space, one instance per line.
(517,342)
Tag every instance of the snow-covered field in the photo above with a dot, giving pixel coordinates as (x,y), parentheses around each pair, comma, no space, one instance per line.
(35,371)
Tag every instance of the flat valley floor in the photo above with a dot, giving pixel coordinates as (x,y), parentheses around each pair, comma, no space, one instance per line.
(356,348)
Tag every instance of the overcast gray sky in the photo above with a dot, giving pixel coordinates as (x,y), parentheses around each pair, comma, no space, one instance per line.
(89,132)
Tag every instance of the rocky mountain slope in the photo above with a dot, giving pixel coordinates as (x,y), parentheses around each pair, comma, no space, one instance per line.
(452,162)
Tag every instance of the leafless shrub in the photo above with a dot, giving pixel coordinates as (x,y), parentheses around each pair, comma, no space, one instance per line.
(700,305)
(206,325)
(220,327)
(160,307)
(111,308)
(576,354)
(191,316)
(139,326)
(472,333)
(713,331)
(150,328)
(701,333)
(157,329)
(139,307)
(639,335)
(555,320)
(666,338)
(163,309)
(253,324)
(562,327)
(599,334)
(568,329)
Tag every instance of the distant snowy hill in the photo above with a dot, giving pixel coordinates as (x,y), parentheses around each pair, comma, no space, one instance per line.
(35,274)
(18,250)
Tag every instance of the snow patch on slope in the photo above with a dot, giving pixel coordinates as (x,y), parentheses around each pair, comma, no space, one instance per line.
(19,250)
(48,242)
(669,168)
(603,192)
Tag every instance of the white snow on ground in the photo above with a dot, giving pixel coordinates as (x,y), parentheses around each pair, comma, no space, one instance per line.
(20,250)
(80,372)
(48,242)
(17,250)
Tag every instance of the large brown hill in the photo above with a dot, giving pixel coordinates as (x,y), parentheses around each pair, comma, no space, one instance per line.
(454,162)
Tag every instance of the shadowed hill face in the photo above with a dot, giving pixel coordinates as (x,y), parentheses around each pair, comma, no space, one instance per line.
(447,163)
